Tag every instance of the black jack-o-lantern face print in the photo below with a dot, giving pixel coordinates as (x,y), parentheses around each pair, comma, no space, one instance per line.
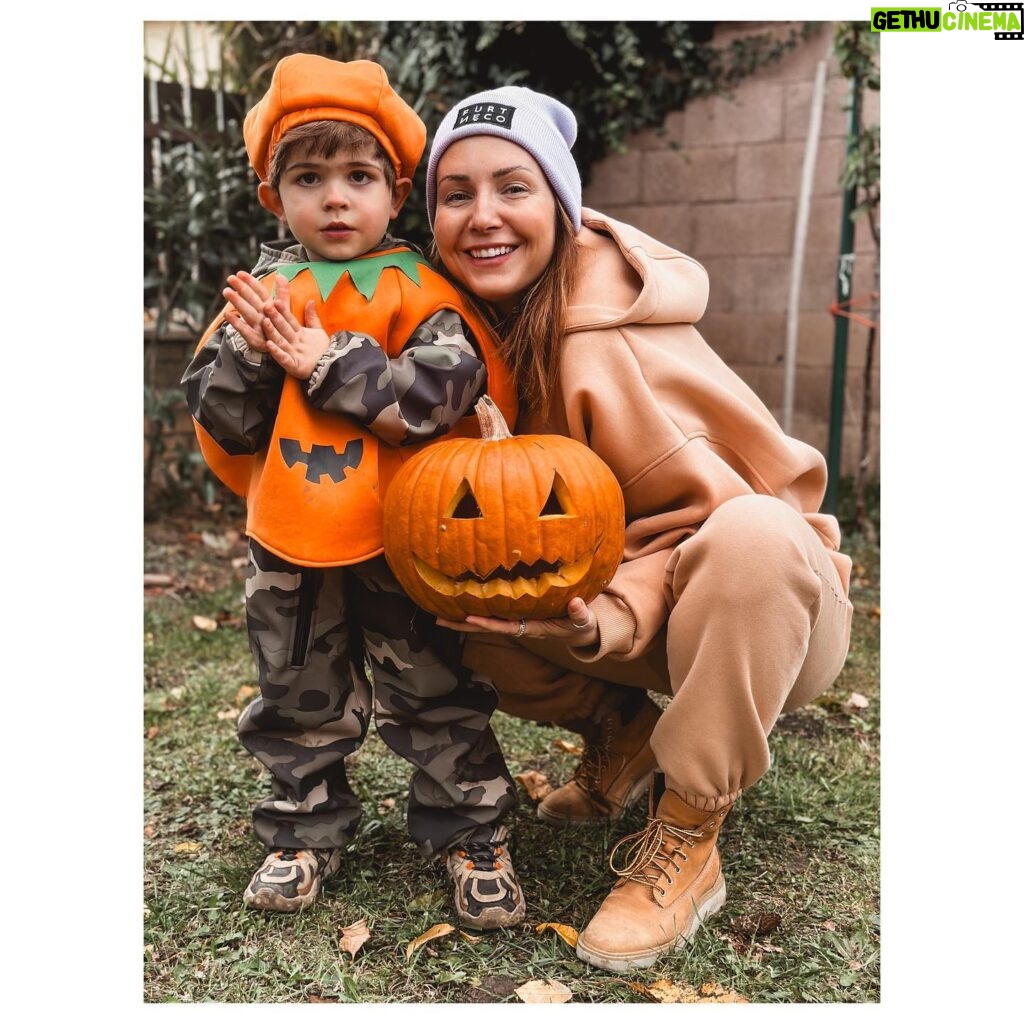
(322,459)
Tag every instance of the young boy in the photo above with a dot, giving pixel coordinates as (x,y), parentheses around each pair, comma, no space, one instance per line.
(305,402)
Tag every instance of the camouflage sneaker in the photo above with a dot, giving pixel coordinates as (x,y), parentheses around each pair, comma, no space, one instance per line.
(487,893)
(289,880)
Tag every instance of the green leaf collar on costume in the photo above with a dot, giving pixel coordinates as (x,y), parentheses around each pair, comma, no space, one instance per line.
(365,272)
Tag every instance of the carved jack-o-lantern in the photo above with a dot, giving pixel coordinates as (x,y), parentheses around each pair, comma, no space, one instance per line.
(503,526)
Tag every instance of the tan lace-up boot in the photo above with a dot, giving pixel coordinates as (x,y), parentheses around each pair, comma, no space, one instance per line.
(614,772)
(670,882)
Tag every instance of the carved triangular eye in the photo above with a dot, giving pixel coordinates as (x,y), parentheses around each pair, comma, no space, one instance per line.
(464,504)
(559,503)
(552,507)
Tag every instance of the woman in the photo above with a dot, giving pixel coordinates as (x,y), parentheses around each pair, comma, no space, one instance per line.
(732,596)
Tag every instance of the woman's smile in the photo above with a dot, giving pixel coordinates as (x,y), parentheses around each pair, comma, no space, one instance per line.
(491,252)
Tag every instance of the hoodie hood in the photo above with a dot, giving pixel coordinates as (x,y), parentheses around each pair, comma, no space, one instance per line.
(632,278)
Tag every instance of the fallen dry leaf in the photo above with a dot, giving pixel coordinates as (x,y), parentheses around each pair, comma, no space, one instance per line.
(431,933)
(710,992)
(535,783)
(188,847)
(857,700)
(568,747)
(244,693)
(216,542)
(668,992)
(828,926)
(471,939)
(386,804)
(538,991)
(634,985)
(156,579)
(149,831)
(152,732)
(228,714)
(352,937)
(570,935)
(240,562)
(206,624)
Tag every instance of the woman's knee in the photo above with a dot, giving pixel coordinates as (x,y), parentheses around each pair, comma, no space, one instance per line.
(754,522)
(751,542)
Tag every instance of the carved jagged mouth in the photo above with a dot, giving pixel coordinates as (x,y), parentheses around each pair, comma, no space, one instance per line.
(517,581)
(518,571)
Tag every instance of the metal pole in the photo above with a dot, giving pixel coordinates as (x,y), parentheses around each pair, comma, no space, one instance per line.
(844,285)
(799,241)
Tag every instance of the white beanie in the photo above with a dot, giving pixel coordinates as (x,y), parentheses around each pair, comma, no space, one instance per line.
(542,125)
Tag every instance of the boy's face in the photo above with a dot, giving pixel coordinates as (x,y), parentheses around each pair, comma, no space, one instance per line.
(337,207)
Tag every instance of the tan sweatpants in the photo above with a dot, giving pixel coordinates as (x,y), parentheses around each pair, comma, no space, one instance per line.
(760,625)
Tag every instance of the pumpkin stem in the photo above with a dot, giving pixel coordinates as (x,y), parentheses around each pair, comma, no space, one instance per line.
(492,424)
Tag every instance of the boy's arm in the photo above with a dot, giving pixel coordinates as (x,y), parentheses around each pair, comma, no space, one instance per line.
(233,391)
(419,395)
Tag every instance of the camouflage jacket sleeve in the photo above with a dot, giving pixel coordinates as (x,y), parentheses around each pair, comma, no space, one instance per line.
(233,391)
(420,394)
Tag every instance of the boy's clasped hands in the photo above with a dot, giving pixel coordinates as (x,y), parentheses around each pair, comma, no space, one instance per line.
(267,324)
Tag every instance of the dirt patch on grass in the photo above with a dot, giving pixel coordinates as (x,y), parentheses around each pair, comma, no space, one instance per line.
(804,723)
(495,989)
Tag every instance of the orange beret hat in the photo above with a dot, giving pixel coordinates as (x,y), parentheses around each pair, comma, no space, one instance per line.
(306,87)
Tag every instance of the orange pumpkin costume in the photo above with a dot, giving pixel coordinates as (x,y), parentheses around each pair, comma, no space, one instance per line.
(314,493)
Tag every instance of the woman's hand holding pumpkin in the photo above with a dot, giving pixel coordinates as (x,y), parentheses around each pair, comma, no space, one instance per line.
(578,629)
(296,347)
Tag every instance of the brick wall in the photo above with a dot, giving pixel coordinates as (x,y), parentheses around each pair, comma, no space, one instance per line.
(722,184)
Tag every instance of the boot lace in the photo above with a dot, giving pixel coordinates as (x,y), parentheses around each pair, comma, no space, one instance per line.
(595,760)
(650,859)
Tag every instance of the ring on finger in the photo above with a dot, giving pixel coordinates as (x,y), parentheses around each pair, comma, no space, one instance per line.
(521,630)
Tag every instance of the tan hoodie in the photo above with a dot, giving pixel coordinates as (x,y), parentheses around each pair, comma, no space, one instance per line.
(680,430)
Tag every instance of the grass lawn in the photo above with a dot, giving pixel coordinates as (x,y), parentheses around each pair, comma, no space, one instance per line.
(800,850)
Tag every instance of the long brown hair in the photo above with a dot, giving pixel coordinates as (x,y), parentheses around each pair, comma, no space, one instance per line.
(530,337)
(532,334)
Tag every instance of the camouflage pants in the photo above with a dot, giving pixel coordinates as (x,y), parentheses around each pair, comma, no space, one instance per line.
(309,630)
